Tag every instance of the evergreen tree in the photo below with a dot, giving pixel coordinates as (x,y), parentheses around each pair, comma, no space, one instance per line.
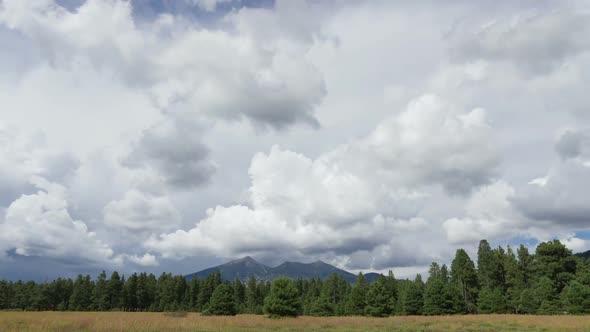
(553,260)
(435,292)
(131,293)
(575,298)
(222,301)
(491,301)
(464,276)
(527,303)
(498,272)
(391,287)
(545,296)
(114,291)
(207,287)
(322,306)
(335,289)
(524,266)
(100,299)
(81,299)
(283,299)
(143,294)
(379,302)
(194,293)
(253,297)
(239,294)
(485,264)
(414,302)
(357,299)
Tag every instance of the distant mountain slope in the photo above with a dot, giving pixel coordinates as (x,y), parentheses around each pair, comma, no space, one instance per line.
(319,269)
(247,267)
(585,254)
(242,269)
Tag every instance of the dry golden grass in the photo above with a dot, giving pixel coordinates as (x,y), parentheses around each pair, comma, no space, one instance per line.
(120,321)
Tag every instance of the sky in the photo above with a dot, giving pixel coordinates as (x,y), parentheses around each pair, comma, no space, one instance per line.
(172,136)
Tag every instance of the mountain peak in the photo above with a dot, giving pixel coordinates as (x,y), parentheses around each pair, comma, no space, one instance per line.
(246,259)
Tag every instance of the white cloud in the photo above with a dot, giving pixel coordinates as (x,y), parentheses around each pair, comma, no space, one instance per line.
(536,42)
(235,78)
(488,215)
(139,211)
(23,155)
(208,5)
(145,260)
(173,149)
(356,197)
(562,199)
(40,225)
(138,111)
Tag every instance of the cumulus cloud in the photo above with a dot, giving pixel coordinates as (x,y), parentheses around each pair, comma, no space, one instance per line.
(139,211)
(24,155)
(40,225)
(173,149)
(145,260)
(560,197)
(355,198)
(574,144)
(235,78)
(488,215)
(547,207)
(534,41)
(151,114)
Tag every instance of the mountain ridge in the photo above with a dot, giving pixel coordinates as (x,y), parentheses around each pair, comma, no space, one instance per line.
(246,267)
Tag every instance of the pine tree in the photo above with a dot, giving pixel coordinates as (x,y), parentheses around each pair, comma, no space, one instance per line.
(575,298)
(379,302)
(322,306)
(527,303)
(100,299)
(553,260)
(207,287)
(357,298)
(131,293)
(414,302)
(283,299)
(545,296)
(524,266)
(114,291)
(491,301)
(194,293)
(335,289)
(253,297)
(239,294)
(143,294)
(391,286)
(222,301)
(514,283)
(435,292)
(464,276)
(485,261)
(81,299)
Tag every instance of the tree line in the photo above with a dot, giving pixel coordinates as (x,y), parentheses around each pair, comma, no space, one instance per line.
(549,281)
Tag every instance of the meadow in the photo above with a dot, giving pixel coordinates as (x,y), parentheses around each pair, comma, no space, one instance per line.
(123,321)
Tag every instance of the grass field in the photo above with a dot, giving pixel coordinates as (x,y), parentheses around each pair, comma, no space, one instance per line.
(119,321)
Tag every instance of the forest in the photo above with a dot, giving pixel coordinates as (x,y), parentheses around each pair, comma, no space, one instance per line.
(549,281)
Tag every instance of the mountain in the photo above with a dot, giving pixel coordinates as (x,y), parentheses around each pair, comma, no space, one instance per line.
(242,269)
(247,267)
(319,269)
